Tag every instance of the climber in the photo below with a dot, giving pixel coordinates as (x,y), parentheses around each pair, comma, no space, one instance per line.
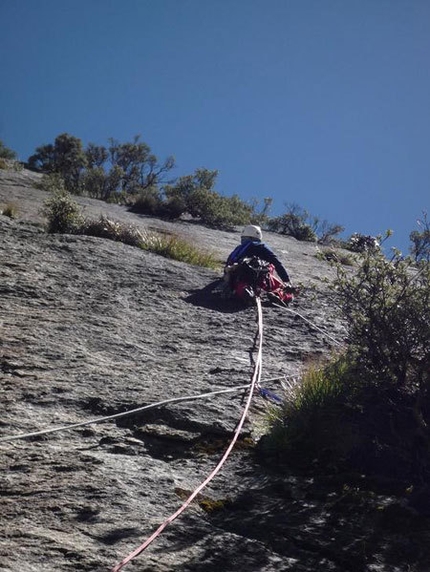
(250,269)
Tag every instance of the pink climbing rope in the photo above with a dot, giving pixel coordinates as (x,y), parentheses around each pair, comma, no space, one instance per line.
(256,376)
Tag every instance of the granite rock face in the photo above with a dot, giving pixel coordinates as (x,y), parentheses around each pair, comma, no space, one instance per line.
(91,328)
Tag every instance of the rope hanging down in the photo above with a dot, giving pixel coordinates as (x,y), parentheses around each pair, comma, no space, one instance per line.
(255,381)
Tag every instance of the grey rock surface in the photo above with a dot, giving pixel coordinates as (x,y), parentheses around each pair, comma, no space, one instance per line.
(90,328)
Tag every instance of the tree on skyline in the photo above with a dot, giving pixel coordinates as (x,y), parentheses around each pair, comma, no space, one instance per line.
(6,153)
(66,157)
(101,171)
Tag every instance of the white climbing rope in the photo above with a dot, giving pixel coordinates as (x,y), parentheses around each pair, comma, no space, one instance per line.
(310,323)
(123,414)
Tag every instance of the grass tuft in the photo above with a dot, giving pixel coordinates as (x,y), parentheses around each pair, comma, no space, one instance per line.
(335,256)
(113,230)
(169,246)
(177,248)
(206,503)
(64,216)
(314,419)
(10,210)
(10,164)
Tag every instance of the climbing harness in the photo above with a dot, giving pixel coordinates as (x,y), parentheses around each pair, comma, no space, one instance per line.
(255,381)
(245,277)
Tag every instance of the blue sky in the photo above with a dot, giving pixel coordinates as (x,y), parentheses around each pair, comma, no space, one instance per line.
(323,103)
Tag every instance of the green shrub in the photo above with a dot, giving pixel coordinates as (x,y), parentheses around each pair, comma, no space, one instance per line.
(172,208)
(195,195)
(147,201)
(299,224)
(217,211)
(386,305)
(51,183)
(294,223)
(95,183)
(420,239)
(120,198)
(370,408)
(327,232)
(63,213)
(363,243)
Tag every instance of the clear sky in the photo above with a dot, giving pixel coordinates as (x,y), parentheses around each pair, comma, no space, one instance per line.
(323,103)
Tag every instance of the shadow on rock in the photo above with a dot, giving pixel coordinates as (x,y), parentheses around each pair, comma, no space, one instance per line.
(224,552)
(211,297)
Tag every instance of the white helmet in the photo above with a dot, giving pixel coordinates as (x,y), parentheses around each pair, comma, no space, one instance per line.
(252,231)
